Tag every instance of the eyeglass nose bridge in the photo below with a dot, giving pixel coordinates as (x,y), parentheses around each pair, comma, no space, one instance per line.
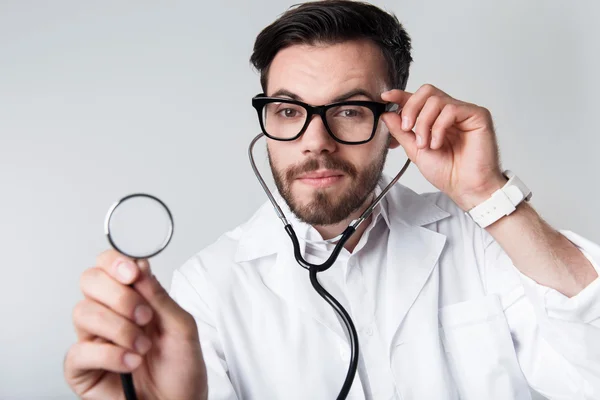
(312,112)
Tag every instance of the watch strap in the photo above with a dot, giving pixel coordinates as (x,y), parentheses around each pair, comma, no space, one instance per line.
(502,202)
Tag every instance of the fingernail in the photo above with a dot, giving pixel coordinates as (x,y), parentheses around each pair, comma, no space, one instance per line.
(142,344)
(132,360)
(125,270)
(433,143)
(405,123)
(142,314)
(419,140)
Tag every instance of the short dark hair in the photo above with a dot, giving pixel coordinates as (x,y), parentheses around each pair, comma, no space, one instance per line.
(332,22)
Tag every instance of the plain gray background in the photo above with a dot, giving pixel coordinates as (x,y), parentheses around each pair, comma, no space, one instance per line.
(102,99)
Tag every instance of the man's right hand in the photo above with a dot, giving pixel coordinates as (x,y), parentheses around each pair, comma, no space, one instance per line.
(138,329)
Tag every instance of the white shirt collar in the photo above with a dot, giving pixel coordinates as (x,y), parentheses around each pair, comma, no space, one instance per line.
(263,234)
(307,232)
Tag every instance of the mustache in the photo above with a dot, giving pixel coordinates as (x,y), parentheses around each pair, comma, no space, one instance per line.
(323,162)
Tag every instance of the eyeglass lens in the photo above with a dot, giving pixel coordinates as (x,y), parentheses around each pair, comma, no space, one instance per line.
(350,123)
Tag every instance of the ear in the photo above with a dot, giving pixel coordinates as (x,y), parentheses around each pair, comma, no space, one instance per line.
(393,143)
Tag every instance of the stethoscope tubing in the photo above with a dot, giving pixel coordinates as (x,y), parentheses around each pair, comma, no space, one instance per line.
(314,269)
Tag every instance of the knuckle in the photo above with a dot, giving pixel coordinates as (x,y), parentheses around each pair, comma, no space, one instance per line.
(114,356)
(97,316)
(451,108)
(485,112)
(67,359)
(189,327)
(428,88)
(123,302)
(437,127)
(74,355)
(190,321)
(79,312)
(407,110)
(106,257)
(124,332)
(107,358)
(158,290)
(434,101)
(87,277)
(83,279)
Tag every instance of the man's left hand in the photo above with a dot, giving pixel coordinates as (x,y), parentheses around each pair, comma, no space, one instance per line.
(451,142)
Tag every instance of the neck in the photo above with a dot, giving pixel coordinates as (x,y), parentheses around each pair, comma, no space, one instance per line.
(331,231)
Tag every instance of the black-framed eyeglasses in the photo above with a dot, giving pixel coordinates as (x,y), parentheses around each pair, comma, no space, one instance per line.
(348,122)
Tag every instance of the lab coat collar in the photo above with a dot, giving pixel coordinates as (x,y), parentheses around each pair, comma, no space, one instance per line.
(263,234)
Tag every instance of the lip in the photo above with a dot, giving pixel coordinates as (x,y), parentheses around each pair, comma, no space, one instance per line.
(320,174)
(321,179)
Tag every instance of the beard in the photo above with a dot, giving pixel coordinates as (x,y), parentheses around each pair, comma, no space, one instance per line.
(326,208)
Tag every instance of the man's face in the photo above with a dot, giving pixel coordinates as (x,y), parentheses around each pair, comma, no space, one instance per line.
(321,180)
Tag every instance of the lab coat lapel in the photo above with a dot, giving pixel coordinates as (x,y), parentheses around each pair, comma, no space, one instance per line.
(413,251)
(291,282)
(412,254)
(264,235)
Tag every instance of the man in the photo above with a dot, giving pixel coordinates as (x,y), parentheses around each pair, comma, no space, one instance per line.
(446,304)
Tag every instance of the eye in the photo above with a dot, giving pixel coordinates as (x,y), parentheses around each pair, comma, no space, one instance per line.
(289,112)
(350,112)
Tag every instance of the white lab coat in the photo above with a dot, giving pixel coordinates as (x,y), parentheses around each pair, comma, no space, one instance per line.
(463,322)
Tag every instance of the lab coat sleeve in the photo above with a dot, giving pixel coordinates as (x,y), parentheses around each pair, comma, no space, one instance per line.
(571,326)
(196,301)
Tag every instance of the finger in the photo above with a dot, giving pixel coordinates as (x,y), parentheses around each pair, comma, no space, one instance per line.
(442,124)
(397,96)
(406,139)
(169,314)
(97,285)
(415,104)
(120,267)
(93,320)
(84,357)
(427,116)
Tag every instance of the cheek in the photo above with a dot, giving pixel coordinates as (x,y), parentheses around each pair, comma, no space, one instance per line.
(279,156)
(363,155)
(383,140)
(383,134)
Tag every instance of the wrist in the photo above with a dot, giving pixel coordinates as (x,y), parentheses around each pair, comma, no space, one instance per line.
(468,200)
(524,214)
(501,203)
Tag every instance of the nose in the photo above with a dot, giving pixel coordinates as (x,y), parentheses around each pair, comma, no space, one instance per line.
(316,140)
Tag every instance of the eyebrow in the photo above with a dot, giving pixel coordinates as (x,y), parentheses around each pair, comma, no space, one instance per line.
(342,97)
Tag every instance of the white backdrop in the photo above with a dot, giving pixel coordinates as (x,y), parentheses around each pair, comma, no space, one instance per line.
(102,99)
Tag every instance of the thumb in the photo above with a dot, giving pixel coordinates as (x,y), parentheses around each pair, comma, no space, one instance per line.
(407,139)
(169,315)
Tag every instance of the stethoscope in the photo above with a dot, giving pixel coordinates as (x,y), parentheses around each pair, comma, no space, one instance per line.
(313,269)
(140,226)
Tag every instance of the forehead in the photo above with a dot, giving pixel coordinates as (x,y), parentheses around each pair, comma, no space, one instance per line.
(318,73)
